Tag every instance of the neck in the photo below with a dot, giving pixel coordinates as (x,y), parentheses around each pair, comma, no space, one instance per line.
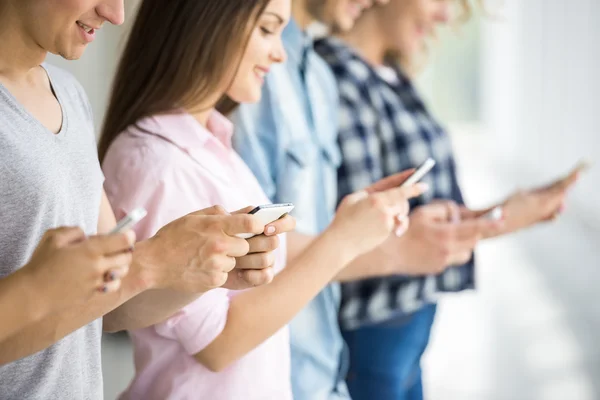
(20,53)
(202,116)
(301,14)
(367,38)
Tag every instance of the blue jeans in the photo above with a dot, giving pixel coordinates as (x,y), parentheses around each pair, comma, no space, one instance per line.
(385,359)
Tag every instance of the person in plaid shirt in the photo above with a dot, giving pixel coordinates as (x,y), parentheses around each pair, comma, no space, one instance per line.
(385,127)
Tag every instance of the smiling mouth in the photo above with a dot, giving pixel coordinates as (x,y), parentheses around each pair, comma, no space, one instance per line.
(87,29)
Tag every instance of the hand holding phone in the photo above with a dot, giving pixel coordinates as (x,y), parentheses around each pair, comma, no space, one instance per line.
(421,171)
(268,213)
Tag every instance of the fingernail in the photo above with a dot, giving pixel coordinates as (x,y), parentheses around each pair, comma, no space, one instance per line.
(424,187)
(562,208)
(270,230)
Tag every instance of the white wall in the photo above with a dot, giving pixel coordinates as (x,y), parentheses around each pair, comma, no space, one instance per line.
(542,91)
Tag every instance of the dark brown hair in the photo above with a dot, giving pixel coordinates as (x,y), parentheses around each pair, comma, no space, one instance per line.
(178,54)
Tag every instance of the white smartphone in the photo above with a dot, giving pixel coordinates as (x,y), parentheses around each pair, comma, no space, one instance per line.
(268,213)
(129,221)
(419,173)
(495,214)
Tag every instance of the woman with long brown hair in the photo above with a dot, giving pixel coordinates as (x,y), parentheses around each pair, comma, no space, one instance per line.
(166,148)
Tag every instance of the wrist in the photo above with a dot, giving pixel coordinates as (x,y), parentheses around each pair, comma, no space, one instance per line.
(390,255)
(341,245)
(34,291)
(144,273)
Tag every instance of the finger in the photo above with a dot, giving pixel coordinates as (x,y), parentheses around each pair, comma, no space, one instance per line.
(474,229)
(111,244)
(65,236)
(242,223)
(262,243)
(117,261)
(356,197)
(447,211)
(229,246)
(453,212)
(565,183)
(402,225)
(287,223)
(244,279)
(256,277)
(116,273)
(393,196)
(467,213)
(433,211)
(214,210)
(255,261)
(390,182)
(110,287)
(461,258)
(244,210)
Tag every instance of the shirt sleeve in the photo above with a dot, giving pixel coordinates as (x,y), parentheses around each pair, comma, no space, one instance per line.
(199,323)
(139,177)
(256,141)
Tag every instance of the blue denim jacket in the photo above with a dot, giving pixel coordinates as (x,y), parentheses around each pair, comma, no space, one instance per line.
(289,140)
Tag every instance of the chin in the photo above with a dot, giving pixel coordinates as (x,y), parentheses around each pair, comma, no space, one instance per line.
(71,54)
(254,97)
(250,96)
(344,24)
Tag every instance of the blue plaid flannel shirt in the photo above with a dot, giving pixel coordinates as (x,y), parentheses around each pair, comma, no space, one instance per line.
(385,128)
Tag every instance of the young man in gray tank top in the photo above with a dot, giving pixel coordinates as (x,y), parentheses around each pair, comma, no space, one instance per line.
(51,177)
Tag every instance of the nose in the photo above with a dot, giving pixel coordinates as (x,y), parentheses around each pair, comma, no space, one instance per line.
(279,54)
(112,11)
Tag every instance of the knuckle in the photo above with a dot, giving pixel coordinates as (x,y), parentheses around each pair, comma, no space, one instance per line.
(212,224)
(272,243)
(244,245)
(219,210)
(375,202)
(216,279)
(122,242)
(266,259)
(252,224)
(216,245)
(213,264)
(52,238)
(261,277)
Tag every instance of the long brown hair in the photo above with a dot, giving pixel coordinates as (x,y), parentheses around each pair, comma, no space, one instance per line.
(177,54)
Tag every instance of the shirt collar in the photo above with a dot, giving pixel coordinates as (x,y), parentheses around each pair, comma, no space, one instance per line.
(297,42)
(183,130)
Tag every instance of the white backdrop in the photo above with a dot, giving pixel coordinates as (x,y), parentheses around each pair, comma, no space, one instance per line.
(542,91)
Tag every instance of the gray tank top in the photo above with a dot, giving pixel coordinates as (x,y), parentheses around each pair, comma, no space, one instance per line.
(49,180)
